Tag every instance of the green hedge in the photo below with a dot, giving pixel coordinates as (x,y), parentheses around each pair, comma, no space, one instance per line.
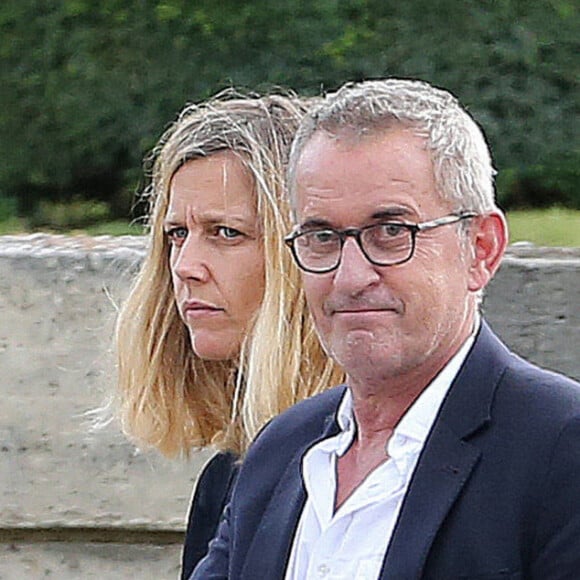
(86,88)
(556,182)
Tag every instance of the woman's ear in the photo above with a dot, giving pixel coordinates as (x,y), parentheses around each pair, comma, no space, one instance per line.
(488,237)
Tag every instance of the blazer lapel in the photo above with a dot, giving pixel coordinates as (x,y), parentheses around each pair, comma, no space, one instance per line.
(270,549)
(447,460)
(437,481)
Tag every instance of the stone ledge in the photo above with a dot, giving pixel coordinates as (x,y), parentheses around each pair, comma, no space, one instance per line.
(58,296)
(102,561)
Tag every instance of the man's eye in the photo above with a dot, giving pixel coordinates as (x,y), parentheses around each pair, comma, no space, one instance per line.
(177,234)
(323,237)
(390,230)
(318,241)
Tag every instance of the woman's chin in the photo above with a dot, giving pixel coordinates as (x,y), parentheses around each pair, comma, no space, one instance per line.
(214,350)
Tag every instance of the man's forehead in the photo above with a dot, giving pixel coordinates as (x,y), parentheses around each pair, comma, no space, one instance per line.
(384,169)
(350,143)
(332,156)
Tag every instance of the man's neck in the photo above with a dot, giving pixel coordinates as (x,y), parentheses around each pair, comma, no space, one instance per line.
(378,411)
(379,402)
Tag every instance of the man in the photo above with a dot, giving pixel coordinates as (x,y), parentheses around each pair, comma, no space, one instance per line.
(445,456)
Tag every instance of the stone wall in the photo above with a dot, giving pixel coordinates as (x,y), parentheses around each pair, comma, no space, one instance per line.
(79,503)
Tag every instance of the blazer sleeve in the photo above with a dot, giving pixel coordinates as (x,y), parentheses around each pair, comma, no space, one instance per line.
(557,546)
(211,495)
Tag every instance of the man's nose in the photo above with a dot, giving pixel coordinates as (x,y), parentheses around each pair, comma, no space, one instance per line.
(191,261)
(355,272)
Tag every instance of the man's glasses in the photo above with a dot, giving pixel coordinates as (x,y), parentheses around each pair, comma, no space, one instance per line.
(383,244)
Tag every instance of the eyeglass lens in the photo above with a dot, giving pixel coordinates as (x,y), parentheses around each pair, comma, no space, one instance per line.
(382,243)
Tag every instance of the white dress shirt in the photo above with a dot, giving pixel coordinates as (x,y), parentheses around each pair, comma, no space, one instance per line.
(350,544)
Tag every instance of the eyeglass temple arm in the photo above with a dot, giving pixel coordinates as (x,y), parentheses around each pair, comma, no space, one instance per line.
(442,221)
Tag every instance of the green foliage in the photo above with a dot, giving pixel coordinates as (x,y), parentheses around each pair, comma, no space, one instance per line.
(555,227)
(115,228)
(8,206)
(63,216)
(9,221)
(86,88)
(555,182)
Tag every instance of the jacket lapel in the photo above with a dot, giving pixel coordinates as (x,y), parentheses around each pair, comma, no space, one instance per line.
(447,460)
(270,549)
(436,484)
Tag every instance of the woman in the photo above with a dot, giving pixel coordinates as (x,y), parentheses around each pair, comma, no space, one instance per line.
(214,339)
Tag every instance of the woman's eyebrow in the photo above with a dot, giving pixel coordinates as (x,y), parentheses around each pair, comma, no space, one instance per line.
(170,221)
(215,219)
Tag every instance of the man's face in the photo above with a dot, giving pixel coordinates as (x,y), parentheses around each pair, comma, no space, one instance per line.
(380,322)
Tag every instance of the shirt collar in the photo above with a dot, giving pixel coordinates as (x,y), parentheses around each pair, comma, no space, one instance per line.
(344,414)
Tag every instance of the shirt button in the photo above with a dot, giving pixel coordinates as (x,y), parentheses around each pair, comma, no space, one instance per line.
(323,570)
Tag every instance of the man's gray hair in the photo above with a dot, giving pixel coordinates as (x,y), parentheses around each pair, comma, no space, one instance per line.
(461,159)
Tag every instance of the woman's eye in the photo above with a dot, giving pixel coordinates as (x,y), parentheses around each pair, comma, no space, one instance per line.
(177,234)
(228,233)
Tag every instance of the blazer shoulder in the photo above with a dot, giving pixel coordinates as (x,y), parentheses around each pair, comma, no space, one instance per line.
(304,422)
(320,404)
(495,383)
(552,393)
(518,372)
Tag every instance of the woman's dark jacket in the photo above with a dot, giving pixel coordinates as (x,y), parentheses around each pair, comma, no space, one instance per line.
(211,495)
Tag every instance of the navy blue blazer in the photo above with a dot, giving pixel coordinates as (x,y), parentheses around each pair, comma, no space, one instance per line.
(495,494)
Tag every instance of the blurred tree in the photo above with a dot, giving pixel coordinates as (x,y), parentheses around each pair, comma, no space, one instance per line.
(86,88)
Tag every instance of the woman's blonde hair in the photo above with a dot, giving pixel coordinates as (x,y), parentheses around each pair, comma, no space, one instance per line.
(168,397)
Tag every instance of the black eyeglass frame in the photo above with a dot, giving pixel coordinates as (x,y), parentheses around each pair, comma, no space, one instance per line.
(356,233)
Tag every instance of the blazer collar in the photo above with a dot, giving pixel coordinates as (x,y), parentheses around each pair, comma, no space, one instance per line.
(447,459)
(467,406)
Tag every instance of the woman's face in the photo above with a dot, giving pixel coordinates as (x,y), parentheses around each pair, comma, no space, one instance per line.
(216,252)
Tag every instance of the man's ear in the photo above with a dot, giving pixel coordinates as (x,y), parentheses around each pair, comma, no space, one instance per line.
(489,238)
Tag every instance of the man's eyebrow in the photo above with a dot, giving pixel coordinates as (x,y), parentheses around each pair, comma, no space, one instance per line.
(382,214)
(315,223)
(391,212)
